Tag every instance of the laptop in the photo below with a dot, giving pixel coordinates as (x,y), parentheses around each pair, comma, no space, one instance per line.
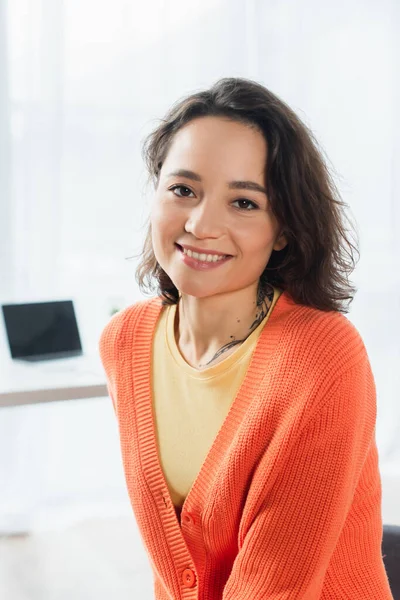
(42,330)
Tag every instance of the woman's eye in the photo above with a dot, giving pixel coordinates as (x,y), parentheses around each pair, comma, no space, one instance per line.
(248,204)
(185,191)
(181,187)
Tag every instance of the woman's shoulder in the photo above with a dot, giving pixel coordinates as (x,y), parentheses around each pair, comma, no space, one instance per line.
(322,341)
(127,316)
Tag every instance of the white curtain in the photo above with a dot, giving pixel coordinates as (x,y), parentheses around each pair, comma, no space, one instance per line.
(81,83)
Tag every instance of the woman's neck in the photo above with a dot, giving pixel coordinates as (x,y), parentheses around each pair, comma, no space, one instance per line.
(208,329)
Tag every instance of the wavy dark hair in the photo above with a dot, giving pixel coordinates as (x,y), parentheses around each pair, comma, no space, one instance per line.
(315,265)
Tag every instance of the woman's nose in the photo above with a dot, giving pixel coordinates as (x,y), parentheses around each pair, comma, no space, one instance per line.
(205,220)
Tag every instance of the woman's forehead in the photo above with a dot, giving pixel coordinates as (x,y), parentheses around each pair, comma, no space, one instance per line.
(217,144)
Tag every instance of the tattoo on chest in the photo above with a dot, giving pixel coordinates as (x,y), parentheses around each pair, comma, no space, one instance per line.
(263,306)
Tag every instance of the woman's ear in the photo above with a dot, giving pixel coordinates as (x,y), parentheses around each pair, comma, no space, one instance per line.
(280,242)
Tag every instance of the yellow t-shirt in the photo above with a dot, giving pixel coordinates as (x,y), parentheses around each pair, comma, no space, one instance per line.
(191,405)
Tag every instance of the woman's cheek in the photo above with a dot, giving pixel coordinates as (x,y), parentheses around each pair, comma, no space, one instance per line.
(166,215)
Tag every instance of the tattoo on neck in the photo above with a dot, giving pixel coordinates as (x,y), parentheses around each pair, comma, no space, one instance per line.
(264,306)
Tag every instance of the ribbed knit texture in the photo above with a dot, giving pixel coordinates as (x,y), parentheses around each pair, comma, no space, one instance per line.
(287,504)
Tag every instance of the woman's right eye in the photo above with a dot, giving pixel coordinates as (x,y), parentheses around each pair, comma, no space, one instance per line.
(181,187)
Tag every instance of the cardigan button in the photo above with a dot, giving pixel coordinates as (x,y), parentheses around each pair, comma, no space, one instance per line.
(188,518)
(188,578)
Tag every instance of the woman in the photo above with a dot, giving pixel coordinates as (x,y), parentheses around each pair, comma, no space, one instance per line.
(245,399)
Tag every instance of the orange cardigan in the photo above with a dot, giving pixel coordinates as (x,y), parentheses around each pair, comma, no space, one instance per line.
(287,504)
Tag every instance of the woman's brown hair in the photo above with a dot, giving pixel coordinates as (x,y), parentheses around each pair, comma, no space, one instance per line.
(315,264)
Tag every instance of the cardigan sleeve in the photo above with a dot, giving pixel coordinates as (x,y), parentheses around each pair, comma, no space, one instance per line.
(108,351)
(287,549)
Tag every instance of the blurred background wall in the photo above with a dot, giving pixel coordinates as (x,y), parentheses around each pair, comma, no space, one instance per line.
(81,83)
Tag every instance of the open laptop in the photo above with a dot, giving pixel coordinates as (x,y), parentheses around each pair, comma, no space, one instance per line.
(42,330)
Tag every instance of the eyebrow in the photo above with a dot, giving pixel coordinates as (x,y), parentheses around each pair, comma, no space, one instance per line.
(234,185)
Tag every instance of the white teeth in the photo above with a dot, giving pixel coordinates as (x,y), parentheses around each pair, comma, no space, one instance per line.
(203,257)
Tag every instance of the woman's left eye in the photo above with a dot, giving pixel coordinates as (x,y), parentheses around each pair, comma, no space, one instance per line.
(250,205)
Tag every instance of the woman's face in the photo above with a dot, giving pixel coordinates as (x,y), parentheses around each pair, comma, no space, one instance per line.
(210,198)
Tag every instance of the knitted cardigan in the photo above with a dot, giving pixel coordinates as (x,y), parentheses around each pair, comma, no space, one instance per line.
(287,503)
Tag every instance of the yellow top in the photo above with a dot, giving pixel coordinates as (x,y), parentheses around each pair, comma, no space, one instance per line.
(191,405)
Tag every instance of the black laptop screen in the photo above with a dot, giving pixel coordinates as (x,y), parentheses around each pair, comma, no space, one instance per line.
(42,329)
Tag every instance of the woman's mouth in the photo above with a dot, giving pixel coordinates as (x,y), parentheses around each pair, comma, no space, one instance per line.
(202,261)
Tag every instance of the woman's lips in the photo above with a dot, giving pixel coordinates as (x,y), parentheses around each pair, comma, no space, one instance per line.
(200,265)
(202,250)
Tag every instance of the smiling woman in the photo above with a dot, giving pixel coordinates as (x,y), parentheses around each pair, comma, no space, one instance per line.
(215,204)
(289,177)
(245,398)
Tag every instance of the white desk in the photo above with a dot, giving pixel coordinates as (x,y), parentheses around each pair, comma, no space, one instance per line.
(48,381)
